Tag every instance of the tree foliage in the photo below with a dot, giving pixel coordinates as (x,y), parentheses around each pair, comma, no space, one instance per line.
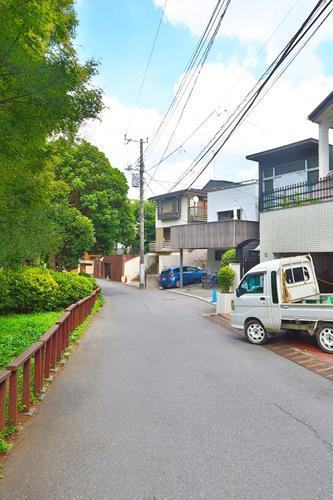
(150,220)
(44,90)
(97,190)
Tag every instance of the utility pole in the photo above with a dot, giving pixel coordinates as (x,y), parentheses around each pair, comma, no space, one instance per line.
(142,277)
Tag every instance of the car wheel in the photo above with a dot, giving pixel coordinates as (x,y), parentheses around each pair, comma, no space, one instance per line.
(324,336)
(255,332)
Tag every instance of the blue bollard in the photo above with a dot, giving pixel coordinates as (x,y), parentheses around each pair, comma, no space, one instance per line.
(214,295)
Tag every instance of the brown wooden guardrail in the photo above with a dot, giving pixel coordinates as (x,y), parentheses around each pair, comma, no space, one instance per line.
(45,353)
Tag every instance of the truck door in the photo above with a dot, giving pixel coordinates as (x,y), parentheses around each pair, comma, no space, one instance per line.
(253,299)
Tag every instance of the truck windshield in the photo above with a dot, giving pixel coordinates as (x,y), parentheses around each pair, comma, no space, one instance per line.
(252,283)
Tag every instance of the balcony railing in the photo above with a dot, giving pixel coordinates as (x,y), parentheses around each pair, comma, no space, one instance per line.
(160,246)
(197,214)
(296,195)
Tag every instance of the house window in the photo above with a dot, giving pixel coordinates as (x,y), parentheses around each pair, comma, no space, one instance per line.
(313,176)
(268,185)
(288,168)
(228,215)
(168,206)
(218,255)
(166,233)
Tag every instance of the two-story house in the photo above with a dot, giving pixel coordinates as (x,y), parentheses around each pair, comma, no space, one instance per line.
(232,222)
(296,198)
(178,208)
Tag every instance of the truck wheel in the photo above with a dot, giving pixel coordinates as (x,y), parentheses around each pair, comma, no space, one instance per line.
(255,332)
(324,336)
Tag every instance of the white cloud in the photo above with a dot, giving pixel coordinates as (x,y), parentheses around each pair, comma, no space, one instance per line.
(279,119)
(248,21)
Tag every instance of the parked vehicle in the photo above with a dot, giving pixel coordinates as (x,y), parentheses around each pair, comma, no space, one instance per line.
(170,277)
(283,294)
(209,281)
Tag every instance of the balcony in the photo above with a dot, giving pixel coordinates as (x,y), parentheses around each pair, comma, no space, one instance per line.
(160,246)
(297,195)
(221,234)
(196,214)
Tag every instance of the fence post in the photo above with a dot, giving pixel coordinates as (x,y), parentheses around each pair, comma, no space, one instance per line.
(3,386)
(38,370)
(13,398)
(26,384)
(47,365)
(54,348)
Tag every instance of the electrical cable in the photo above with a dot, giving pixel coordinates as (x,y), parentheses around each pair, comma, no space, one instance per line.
(244,107)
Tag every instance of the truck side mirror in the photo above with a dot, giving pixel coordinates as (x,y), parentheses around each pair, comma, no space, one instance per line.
(237,292)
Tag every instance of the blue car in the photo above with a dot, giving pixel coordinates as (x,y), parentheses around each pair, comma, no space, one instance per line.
(170,277)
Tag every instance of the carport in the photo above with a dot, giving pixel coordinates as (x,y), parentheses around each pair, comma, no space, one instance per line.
(212,235)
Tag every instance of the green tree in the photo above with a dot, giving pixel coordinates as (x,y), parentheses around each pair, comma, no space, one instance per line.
(150,221)
(44,90)
(97,190)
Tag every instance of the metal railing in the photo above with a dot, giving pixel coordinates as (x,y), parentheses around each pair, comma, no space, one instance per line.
(296,195)
(44,354)
(197,214)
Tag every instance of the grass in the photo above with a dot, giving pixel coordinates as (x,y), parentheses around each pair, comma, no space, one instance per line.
(20,331)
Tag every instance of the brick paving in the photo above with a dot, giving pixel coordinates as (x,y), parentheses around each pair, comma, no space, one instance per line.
(296,349)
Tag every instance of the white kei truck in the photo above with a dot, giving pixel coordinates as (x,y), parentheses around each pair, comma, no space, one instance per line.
(283,294)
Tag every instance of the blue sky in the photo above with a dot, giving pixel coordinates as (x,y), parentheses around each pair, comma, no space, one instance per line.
(119,34)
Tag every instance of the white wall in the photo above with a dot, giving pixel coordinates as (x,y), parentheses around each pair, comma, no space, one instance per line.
(195,258)
(175,222)
(307,228)
(212,265)
(131,267)
(245,196)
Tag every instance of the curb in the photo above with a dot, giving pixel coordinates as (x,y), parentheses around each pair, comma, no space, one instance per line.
(190,295)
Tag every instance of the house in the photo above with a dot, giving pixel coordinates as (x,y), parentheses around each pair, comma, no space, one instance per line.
(232,222)
(178,208)
(296,198)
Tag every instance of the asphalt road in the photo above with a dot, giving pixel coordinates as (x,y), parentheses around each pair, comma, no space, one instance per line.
(159,403)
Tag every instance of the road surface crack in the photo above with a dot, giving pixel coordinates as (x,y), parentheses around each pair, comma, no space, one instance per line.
(306,425)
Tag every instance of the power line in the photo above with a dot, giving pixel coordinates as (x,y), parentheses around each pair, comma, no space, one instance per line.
(186,79)
(244,108)
(215,21)
(147,66)
(214,111)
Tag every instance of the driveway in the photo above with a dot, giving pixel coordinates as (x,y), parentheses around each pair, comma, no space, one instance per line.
(159,403)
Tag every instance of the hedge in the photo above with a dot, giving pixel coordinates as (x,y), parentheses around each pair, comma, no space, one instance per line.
(35,289)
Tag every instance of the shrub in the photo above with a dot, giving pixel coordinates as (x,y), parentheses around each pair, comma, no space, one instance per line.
(225,277)
(72,287)
(34,289)
(229,257)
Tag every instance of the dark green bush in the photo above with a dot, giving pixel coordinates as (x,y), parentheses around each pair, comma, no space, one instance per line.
(72,287)
(34,289)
